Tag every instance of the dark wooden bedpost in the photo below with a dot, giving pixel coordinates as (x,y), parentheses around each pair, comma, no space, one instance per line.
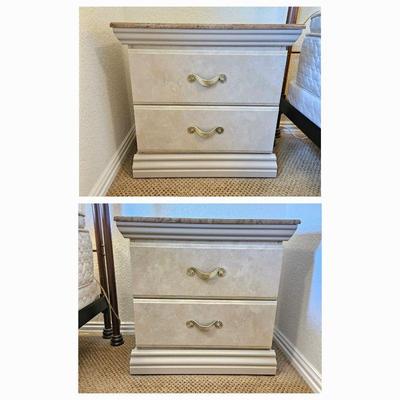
(116,338)
(107,331)
(290,19)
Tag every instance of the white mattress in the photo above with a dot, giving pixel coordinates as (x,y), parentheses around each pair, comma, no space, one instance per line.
(309,70)
(304,93)
(306,102)
(87,286)
(315,23)
(88,294)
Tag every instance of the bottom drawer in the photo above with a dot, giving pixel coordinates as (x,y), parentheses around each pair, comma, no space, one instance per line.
(204,323)
(165,129)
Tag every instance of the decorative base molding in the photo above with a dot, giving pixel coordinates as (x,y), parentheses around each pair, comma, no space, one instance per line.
(112,168)
(218,362)
(299,362)
(204,165)
(302,365)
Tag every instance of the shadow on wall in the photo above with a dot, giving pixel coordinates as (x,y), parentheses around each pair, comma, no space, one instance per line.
(299,305)
(116,73)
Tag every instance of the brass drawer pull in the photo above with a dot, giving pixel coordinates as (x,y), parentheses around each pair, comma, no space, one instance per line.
(207,82)
(196,130)
(204,327)
(205,276)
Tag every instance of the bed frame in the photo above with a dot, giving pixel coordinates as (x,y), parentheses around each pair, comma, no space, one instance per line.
(311,130)
(105,259)
(301,121)
(100,305)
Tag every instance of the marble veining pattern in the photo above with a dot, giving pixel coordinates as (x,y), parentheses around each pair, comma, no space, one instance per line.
(227,221)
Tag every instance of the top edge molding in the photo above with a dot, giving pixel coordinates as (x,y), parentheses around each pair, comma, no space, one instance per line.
(204,229)
(206,35)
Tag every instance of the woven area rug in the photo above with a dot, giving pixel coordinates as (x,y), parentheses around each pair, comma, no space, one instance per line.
(105,369)
(299,169)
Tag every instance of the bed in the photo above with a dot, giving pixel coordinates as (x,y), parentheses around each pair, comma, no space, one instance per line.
(88,290)
(97,297)
(90,303)
(302,105)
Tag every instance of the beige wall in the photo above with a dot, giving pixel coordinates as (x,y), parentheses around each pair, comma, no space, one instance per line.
(106,112)
(299,305)
(207,14)
(105,103)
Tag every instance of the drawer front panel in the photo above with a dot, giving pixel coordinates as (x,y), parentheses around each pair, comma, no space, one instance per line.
(161,76)
(165,270)
(169,129)
(173,323)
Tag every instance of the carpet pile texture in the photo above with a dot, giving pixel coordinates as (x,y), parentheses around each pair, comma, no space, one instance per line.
(299,174)
(105,369)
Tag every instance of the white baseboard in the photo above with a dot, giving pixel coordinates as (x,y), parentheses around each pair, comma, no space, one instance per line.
(287,124)
(112,168)
(299,362)
(127,328)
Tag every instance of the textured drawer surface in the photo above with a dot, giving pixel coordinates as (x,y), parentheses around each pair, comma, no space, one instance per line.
(163,323)
(245,129)
(161,76)
(249,271)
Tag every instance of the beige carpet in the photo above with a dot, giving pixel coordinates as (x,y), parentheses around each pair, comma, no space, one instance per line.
(299,168)
(105,369)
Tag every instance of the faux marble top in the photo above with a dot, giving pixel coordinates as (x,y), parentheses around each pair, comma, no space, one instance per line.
(170,220)
(153,25)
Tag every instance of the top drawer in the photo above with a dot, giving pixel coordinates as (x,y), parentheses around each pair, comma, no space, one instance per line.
(205,270)
(251,77)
